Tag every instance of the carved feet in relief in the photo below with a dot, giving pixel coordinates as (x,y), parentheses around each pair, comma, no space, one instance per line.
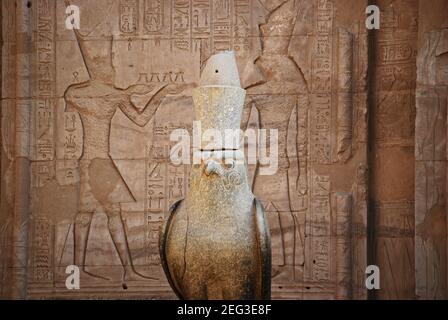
(88,277)
(130,274)
(287,273)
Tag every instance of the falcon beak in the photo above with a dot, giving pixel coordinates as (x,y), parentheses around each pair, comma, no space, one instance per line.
(212,167)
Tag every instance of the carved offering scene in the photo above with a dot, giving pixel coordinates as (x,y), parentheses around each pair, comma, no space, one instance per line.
(224,149)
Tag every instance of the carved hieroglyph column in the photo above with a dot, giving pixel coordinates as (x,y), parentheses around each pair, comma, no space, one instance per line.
(22,162)
(345,95)
(343,246)
(431,218)
(391,148)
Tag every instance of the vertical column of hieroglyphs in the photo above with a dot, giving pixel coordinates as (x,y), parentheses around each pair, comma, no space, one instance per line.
(431,264)
(222,25)
(318,219)
(201,26)
(345,95)
(343,207)
(346,266)
(8,137)
(22,151)
(393,147)
(241,26)
(42,128)
(154,16)
(321,86)
(360,183)
(128,16)
(180,24)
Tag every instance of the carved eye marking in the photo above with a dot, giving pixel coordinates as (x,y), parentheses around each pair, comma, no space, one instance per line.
(229,164)
(232,179)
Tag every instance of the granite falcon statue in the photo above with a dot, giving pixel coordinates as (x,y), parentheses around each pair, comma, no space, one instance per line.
(216,242)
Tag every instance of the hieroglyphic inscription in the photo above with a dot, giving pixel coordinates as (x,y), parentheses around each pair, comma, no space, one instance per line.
(72,144)
(222,28)
(150,29)
(43,129)
(321,128)
(345,95)
(392,149)
(208,25)
(343,246)
(165,184)
(322,68)
(155,187)
(129,15)
(42,173)
(153,16)
(42,257)
(42,117)
(201,18)
(318,229)
(431,224)
(241,29)
(180,23)
(396,73)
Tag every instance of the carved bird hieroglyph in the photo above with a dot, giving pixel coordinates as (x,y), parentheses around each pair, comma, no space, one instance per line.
(215,243)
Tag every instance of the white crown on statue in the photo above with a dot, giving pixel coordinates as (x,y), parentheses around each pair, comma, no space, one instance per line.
(218,103)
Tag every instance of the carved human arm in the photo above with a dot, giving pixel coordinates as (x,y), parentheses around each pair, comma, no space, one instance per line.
(303,107)
(250,120)
(141,118)
(245,116)
(141,89)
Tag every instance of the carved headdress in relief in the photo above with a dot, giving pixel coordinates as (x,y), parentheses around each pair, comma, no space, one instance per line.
(281,72)
(95,44)
(279,28)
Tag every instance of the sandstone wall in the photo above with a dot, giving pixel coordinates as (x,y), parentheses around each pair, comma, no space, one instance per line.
(86,173)
(431,153)
(392,112)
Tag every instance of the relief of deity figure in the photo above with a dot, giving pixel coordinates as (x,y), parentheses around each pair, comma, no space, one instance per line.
(280,99)
(101,184)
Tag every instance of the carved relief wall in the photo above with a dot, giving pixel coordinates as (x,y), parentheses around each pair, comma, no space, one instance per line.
(392,140)
(431,154)
(87,116)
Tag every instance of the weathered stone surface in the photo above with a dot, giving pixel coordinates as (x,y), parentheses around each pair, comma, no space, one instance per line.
(431,219)
(104,100)
(86,118)
(392,147)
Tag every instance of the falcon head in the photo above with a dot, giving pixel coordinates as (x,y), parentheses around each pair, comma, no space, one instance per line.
(224,167)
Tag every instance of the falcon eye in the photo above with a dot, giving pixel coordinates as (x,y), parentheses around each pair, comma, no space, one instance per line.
(229,164)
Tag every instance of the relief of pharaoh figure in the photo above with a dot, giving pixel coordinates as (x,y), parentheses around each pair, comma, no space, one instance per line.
(282,95)
(101,184)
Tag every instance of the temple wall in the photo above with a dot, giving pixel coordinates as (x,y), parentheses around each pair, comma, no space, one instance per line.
(431,153)
(87,178)
(392,112)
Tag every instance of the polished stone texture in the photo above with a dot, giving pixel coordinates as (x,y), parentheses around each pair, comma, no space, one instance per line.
(216,242)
